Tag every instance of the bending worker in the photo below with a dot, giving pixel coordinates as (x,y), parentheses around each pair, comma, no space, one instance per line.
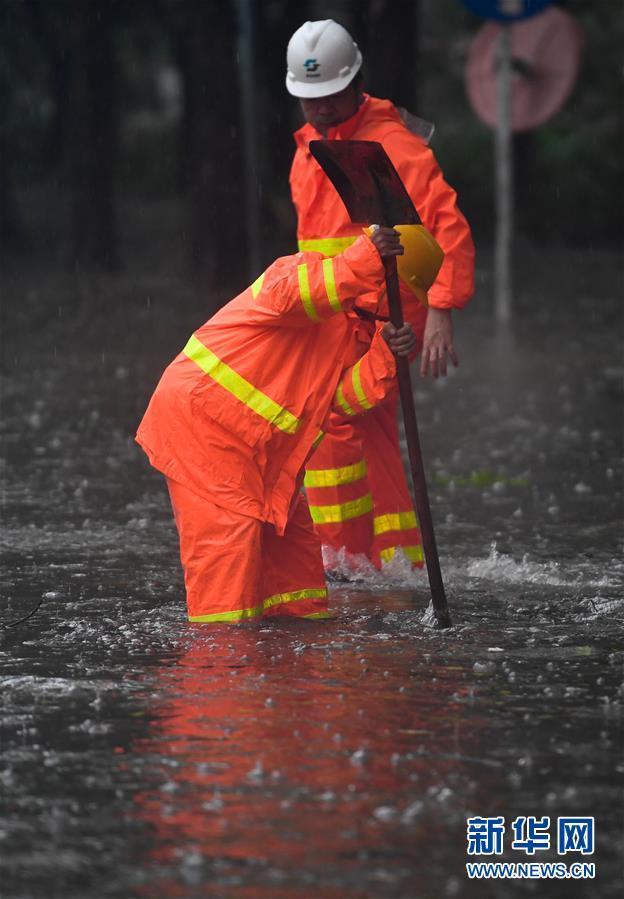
(355,482)
(237,414)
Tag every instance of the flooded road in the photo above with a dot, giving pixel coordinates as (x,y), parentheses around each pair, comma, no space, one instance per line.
(146,757)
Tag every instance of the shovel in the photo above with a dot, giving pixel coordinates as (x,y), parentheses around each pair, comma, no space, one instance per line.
(373,193)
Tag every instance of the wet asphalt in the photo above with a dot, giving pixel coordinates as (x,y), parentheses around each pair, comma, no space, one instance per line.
(145,757)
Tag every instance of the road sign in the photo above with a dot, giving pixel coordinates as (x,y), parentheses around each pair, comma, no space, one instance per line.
(518,75)
(545,57)
(505,10)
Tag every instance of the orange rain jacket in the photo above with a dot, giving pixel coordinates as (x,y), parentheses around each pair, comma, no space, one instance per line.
(237,413)
(235,417)
(323,221)
(357,473)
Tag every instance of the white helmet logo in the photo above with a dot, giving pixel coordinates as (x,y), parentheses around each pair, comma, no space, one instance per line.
(312,66)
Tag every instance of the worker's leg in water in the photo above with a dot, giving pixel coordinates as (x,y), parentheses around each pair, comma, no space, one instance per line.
(293,579)
(221,554)
(394,519)
(338,489)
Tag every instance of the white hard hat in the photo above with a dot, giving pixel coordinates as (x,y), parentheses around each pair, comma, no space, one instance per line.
(322,59)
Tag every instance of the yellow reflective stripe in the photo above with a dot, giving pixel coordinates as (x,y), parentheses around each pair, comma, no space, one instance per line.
(328,246)
(278,599)
(331,477)
(413,553)
(239,387)
(318,439)
(304,291)
(398,521)
(238,615)
(354,508)
(320,615)
(357,387)
(256,287)
(340,399)
(330,285)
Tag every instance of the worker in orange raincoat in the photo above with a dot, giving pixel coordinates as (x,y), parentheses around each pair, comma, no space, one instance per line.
(356,486)
(237,414)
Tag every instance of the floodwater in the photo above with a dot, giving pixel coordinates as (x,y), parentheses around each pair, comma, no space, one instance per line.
(146,757)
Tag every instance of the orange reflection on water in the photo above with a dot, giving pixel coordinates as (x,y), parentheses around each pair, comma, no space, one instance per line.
(283,753)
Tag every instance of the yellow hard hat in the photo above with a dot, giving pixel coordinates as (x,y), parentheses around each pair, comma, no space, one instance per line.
(419,265)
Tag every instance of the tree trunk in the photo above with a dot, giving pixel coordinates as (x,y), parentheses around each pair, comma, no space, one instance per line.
(12,235)
(47,24)
(278,117)
(213,155)
(92,134)
(391,65)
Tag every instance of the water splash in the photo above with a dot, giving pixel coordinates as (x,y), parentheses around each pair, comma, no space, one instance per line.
(503,568)
(429,618)
(341,565)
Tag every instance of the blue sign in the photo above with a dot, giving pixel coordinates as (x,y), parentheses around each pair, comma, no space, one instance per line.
(506,10)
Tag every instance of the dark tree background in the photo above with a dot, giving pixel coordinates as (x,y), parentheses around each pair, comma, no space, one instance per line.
(123,128)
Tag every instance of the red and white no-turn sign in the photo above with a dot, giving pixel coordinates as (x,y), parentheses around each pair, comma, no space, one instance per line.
(521,68)
(545,56)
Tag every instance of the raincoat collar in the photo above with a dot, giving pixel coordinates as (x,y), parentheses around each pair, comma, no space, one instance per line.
(371,108)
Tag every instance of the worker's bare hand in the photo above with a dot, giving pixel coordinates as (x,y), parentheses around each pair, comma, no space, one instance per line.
(437,343)
(400,340)
(387,241)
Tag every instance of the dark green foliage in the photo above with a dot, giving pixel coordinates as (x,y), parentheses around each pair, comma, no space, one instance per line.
(569,173)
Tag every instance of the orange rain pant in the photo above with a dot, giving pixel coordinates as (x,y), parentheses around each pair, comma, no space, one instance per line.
(237,567)
(370,510)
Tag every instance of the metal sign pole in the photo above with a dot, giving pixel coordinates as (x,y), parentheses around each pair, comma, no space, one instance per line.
(504,182)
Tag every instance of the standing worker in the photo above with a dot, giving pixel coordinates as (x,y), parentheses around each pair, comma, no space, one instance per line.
(237,414)
(355,482)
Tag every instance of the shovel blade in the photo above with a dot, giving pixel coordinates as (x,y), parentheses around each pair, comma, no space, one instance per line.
(367,182)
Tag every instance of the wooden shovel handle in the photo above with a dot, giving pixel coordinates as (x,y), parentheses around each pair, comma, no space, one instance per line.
(438,596)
